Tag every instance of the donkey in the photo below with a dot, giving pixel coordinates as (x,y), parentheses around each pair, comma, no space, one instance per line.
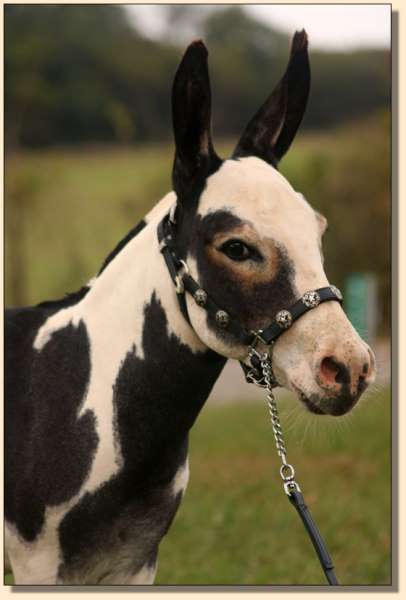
(103,386)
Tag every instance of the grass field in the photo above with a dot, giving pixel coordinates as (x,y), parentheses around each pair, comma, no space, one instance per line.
(235,525)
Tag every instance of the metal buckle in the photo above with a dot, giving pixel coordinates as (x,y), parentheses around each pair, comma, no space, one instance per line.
(257,338)
(179,285)
(254,375)
(164,243)
(251,377)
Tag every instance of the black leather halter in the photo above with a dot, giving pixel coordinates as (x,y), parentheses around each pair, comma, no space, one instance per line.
(284,319)
(255,373)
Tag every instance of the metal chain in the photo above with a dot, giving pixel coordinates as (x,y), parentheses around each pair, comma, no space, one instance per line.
(286,471)
(287,474)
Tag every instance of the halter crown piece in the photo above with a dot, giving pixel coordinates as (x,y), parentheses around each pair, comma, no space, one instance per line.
(260,370)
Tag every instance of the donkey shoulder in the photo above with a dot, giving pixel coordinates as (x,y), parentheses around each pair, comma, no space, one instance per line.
(46,462)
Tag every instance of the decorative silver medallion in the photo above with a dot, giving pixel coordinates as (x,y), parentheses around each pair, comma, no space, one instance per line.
(284,319)
(336,292)
(222,318)
(311,299)
(200,297)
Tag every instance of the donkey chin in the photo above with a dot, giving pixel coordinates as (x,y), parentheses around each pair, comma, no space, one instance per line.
(320,403)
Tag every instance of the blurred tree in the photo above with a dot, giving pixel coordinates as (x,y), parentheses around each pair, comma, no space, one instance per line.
(348,85)
(235,27)
(245,58)
(76,73)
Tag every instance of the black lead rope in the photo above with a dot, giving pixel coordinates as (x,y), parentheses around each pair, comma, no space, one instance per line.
(296,498)
(259,371)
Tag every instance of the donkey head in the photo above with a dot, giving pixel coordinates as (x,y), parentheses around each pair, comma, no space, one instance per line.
(254,243)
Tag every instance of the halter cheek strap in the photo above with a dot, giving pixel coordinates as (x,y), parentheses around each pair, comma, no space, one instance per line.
(284,319)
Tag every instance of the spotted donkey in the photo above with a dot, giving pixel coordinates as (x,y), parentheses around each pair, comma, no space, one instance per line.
(103,386)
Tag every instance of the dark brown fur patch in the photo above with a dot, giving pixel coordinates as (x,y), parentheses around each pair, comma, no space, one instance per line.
(248,272)
(252,300)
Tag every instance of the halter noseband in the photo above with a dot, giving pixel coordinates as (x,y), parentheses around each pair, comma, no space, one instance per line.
(284,319)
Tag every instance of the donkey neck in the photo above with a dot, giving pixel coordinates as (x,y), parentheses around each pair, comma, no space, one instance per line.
(150,374)
(160,372)
(131,310)
(137,276)
(138,332)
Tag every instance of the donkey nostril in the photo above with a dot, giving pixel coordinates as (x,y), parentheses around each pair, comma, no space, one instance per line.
(365,368)
(329,369)
(334,371)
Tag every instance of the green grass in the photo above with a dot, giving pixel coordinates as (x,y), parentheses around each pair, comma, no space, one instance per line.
(236,526)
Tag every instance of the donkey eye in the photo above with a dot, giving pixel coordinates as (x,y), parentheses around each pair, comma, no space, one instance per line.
(237,250)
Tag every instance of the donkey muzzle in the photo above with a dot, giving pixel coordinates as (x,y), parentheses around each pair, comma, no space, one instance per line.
(342,377)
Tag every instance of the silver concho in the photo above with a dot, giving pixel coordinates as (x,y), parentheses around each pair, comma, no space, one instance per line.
(222,318)
(311,299)
(284,319)
(200,297)
(336,292)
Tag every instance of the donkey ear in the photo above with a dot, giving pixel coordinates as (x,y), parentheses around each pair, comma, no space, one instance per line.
(271,131)
(195,157)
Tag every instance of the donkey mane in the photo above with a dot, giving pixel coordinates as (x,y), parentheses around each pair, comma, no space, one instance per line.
(68,300)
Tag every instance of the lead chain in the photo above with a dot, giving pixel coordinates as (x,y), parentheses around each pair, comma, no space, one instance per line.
(287,472)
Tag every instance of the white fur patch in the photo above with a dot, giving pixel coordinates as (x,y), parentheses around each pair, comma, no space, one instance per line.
(145,576)
(37,562)
(181,479)
(61,319)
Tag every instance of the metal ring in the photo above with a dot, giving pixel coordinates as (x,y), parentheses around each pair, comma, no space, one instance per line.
(287,472)
(257,338)
(185,268)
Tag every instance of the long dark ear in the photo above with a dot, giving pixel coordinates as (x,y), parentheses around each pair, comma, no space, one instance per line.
(195,157)
(271,131)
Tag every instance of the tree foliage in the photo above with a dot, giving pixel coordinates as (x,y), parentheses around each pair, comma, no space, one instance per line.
(80,73)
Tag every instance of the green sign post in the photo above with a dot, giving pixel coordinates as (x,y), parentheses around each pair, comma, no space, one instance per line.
(360,303)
